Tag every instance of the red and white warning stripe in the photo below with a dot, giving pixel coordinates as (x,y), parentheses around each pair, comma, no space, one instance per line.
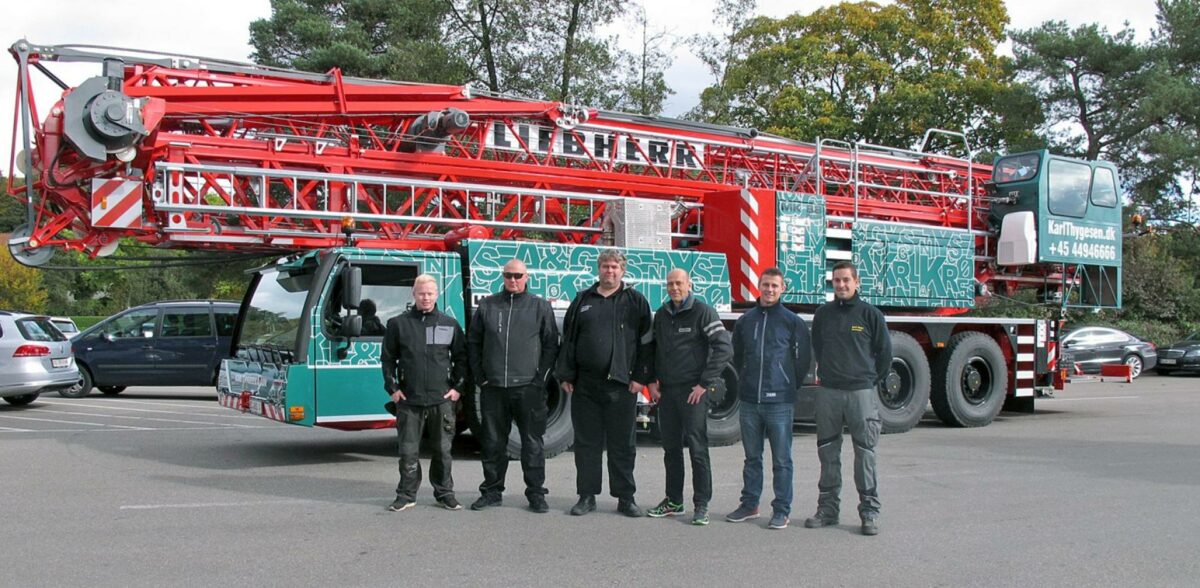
(1024,378)
(750,220)
(117,203)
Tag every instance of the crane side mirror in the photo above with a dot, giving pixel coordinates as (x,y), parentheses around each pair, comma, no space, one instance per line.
(351,287)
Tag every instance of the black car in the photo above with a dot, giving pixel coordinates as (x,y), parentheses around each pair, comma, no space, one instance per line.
(170,343)
(1092,347)
(1180,356)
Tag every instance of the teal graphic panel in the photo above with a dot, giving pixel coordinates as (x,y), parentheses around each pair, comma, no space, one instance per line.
(910,266)
(558,271)
(800,246)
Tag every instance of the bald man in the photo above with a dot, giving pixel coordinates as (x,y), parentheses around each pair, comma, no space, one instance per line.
(691,350)
(512,343)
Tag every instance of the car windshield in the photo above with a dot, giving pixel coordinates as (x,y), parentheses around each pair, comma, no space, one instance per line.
(66,326)
(273,317)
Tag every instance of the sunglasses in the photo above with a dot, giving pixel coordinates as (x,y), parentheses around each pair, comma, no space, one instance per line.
(513,275)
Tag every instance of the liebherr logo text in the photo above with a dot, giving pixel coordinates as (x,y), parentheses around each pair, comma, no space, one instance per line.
(599,146)
(1070,229)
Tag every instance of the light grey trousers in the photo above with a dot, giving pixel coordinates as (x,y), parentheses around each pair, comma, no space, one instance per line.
(857,411)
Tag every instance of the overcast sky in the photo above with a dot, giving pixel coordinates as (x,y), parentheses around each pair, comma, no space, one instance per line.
(219,28)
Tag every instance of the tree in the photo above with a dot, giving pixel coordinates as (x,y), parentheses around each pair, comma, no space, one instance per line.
(368,38)
(717,52)
(21,288)
(883,74)
(644,89)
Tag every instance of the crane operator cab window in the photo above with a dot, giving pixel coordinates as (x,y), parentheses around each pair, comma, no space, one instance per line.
(1069,182)
(386,292)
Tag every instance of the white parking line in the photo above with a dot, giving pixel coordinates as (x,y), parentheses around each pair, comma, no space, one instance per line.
(129,409)
(210,405)
(140,418)
(212,504)
(1092,398)
(12,430)
(8,416)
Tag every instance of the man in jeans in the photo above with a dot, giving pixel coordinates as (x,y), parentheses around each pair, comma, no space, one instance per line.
(771,355)
(854,354)
(602,364)
(691,350)
(424,365)
(512,343)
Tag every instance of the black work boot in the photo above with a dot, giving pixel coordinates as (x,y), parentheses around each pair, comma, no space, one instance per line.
(870,526)
(537,503)
(586,504)
(629,508)
(822,518)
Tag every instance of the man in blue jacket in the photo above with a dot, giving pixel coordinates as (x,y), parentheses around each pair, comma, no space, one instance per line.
(771,355)
(854,354)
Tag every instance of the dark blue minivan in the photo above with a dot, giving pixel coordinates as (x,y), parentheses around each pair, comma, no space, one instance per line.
(170,343)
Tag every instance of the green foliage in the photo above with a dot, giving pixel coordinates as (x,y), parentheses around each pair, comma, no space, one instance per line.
(21,289)
(883,74)
(369,38)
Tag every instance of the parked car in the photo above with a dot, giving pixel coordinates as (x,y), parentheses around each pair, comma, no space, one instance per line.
(1092,347)
(169,343)
(35,357)
(66,325)
(1181,356)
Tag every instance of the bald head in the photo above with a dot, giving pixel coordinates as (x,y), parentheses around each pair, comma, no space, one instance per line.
(515,276)
(679,285)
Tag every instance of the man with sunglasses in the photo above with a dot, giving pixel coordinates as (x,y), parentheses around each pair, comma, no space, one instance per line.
(512,343)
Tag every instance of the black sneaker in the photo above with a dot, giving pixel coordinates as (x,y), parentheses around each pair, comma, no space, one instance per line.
(743,513)
(666,508)
(537,503)
(485,501)
(401,504)
(586,504)
(822,518)
(870,526)
(629,508)
(450,503)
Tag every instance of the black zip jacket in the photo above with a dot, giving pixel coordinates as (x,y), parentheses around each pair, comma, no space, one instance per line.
(771,353)
(424,356)
(691,346)
(630,337)
(852,344)
(512,339)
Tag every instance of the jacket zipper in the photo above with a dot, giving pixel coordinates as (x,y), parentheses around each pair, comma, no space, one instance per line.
(507,333)
(761,344)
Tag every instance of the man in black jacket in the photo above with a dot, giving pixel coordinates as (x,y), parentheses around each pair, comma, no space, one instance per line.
(854,354)
(512,343)
(691,350)
(424,365)
(604,358)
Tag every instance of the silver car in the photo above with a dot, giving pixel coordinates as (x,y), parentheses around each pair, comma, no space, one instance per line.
(35,357)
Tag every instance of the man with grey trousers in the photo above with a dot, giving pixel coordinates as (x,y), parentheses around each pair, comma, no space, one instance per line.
(854,354)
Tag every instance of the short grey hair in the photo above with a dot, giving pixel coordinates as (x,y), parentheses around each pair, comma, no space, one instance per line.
(611,255)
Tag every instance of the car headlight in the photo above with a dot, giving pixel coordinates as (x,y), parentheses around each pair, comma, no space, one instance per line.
(1193,353)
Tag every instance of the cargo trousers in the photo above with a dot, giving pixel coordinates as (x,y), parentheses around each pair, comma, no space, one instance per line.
(411,422)
(857,411)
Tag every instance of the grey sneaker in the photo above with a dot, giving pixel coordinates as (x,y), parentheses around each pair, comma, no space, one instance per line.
(822,518)
(778,521)
(870,526)
(450,503)
(666,508)
(700,516)
(743,513)
(401,504)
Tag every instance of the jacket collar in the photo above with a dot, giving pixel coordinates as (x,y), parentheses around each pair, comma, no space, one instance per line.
(595,289)
(505,294)
(685,305)
(419,314)
(852,301)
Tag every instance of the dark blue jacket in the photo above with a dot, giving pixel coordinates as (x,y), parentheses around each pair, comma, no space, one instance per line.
(771,353)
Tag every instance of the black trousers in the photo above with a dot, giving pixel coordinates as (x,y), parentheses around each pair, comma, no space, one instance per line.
(500,407)
(685,425)
(411,422)
(604,415)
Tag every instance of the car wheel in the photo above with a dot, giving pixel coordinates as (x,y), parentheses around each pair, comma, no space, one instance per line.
(724,424)
(21,400)
(83,388)
(970,381)
(110,390)
(1134,361)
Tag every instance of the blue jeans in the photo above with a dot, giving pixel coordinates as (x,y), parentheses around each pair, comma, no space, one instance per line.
(767,422)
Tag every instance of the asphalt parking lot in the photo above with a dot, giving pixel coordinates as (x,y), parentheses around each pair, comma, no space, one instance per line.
(153,488)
